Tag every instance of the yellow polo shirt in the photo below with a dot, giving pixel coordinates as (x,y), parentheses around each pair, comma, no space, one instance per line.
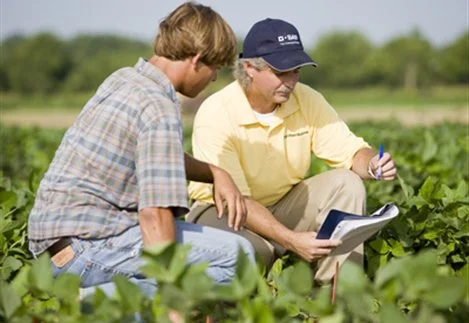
(266,161)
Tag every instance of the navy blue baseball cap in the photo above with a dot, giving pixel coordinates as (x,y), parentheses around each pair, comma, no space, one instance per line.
(278,42)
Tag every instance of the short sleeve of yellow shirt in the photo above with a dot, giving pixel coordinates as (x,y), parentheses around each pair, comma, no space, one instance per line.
(266,161)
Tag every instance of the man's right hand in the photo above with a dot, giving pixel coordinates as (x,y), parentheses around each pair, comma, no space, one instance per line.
(305,245)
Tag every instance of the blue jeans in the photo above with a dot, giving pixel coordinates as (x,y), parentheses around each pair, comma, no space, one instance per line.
(96,261)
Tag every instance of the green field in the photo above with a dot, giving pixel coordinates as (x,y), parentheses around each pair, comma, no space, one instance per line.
(456,96)
(417,268)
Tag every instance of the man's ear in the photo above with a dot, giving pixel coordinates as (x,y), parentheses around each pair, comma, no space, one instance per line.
(249,68)
(195,61)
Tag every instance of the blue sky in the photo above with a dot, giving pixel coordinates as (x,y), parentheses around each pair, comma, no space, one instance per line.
(440,21)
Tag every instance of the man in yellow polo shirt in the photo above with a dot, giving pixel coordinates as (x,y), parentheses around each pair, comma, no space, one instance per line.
(263,129)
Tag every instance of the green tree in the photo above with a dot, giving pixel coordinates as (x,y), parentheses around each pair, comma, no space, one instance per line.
(454,60)
(405,61)
(94,57)
(6,52)
(91,72)
(341,57)
(37,64)
(84,47)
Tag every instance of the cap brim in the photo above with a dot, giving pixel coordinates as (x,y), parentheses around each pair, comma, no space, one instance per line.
(289,60)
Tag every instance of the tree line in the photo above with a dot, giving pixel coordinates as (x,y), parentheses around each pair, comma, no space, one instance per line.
(44,63)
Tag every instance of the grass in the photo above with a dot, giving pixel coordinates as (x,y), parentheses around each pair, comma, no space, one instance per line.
(65,101)
(455,96)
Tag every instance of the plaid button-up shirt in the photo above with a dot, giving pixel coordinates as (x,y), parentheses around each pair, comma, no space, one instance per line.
(122,154)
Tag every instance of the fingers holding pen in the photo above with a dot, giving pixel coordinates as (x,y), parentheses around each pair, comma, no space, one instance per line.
(386,167)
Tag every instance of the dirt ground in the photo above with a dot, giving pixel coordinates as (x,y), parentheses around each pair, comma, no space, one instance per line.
(408,116)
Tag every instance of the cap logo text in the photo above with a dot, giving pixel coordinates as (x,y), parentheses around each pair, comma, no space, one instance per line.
(288,39)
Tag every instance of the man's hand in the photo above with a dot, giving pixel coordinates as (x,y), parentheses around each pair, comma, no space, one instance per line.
(366,163)
(386,163)
(226,193)
(305,245)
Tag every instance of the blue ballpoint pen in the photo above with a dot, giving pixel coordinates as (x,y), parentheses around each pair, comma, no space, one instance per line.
(381,153)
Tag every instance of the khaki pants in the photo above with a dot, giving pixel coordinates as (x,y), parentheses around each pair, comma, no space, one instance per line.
(302,209)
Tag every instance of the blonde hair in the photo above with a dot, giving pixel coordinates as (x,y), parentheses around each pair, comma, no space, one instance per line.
(240,73)
(193,29)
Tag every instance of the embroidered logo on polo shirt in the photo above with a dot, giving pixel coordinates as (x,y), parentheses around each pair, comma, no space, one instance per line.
(296,134)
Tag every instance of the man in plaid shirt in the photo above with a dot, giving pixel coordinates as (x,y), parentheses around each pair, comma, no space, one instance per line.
(118,179)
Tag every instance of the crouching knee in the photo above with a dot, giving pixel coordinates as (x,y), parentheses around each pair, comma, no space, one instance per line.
(350,184)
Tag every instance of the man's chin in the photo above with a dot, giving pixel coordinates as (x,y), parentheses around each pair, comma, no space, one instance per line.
(190,95)
(279,99)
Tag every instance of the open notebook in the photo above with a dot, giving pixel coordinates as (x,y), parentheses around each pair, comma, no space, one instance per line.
(354,229)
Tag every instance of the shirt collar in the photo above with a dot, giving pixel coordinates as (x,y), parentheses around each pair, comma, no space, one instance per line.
(152,72)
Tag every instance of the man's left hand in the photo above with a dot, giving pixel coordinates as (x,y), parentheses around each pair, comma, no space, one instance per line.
(226,193)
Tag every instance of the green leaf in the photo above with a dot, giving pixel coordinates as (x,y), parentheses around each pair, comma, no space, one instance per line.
(397,249)
(174,297)
(388,272)
(67,287)
(302,278)
(379,245)
(337,317)
(391,314)
(232,292)
(179,261)
(464,274)
(7,200)
(463,212)
(130,295)
(418,202)
(430,148)
(427,188)
(351,279)
(445,292)
(21,281)
(196,284)
(9,300)
(40,275)
(10,265)
(431,235)
(157,249)
(261,312)
(166,262)
(246,271)
(297,278)
(407,189)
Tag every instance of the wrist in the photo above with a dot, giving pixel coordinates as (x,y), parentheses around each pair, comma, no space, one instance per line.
(215,169)
(289,240)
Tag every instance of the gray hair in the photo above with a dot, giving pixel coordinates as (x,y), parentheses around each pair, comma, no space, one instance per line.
(240,73)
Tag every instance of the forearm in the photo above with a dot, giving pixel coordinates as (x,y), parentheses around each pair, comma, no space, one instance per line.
(304,244)
(157,225)
(198,171)
(261,221)
(361,161)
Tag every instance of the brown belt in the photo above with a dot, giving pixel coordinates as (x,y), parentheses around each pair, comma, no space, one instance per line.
(59,245)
